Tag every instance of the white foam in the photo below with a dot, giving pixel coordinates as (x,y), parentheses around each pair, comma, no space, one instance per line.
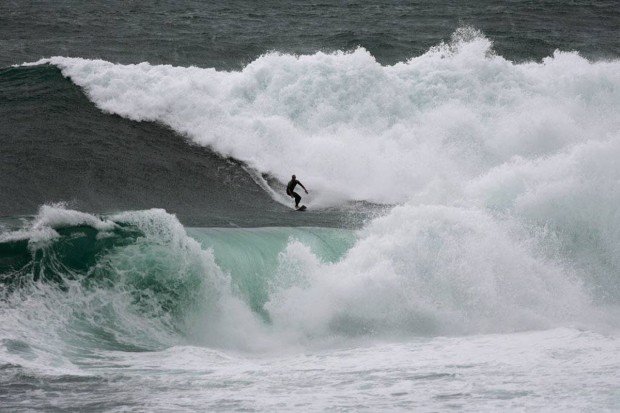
(58,216)
(42,228)
(429,270)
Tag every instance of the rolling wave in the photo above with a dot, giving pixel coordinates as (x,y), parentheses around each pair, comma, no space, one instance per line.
(359,131)
(73,282)
(138,281)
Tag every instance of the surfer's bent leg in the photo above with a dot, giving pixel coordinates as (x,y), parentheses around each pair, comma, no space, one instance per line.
(295,195)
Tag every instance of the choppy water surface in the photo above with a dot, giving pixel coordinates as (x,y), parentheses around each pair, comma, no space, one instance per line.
(460,250)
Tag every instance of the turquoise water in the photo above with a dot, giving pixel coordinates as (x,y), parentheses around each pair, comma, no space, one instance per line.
(141,280)
(252,255)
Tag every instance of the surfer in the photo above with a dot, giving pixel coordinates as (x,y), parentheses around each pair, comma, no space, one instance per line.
(290,187)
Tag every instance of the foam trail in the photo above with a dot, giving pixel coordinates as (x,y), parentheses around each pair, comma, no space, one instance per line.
(261,182)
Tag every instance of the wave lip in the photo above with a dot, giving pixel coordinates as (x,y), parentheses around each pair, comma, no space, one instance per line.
(51,217)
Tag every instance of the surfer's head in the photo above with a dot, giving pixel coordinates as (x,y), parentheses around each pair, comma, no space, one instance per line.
(294,177)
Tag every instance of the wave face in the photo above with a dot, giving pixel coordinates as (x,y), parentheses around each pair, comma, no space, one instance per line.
(57,146)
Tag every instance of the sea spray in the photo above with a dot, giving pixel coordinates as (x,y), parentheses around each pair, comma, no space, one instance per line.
(430,270)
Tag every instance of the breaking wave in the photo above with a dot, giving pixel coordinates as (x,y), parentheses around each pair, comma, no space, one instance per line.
(138,281)
(357,130)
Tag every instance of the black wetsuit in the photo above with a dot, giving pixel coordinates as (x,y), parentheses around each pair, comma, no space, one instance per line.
(290,191)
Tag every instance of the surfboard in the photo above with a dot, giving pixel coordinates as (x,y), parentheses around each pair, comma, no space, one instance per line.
(301,208)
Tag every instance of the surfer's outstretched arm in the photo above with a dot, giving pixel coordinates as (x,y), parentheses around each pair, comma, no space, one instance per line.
(302,185)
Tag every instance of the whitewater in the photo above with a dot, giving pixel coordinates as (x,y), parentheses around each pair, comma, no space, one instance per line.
(485,278)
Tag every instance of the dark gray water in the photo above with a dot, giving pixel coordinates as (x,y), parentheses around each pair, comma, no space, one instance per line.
(233,33)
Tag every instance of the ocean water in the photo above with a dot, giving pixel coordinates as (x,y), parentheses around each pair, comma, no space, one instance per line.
(460,248)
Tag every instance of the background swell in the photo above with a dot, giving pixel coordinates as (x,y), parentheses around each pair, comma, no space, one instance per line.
(231,34)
